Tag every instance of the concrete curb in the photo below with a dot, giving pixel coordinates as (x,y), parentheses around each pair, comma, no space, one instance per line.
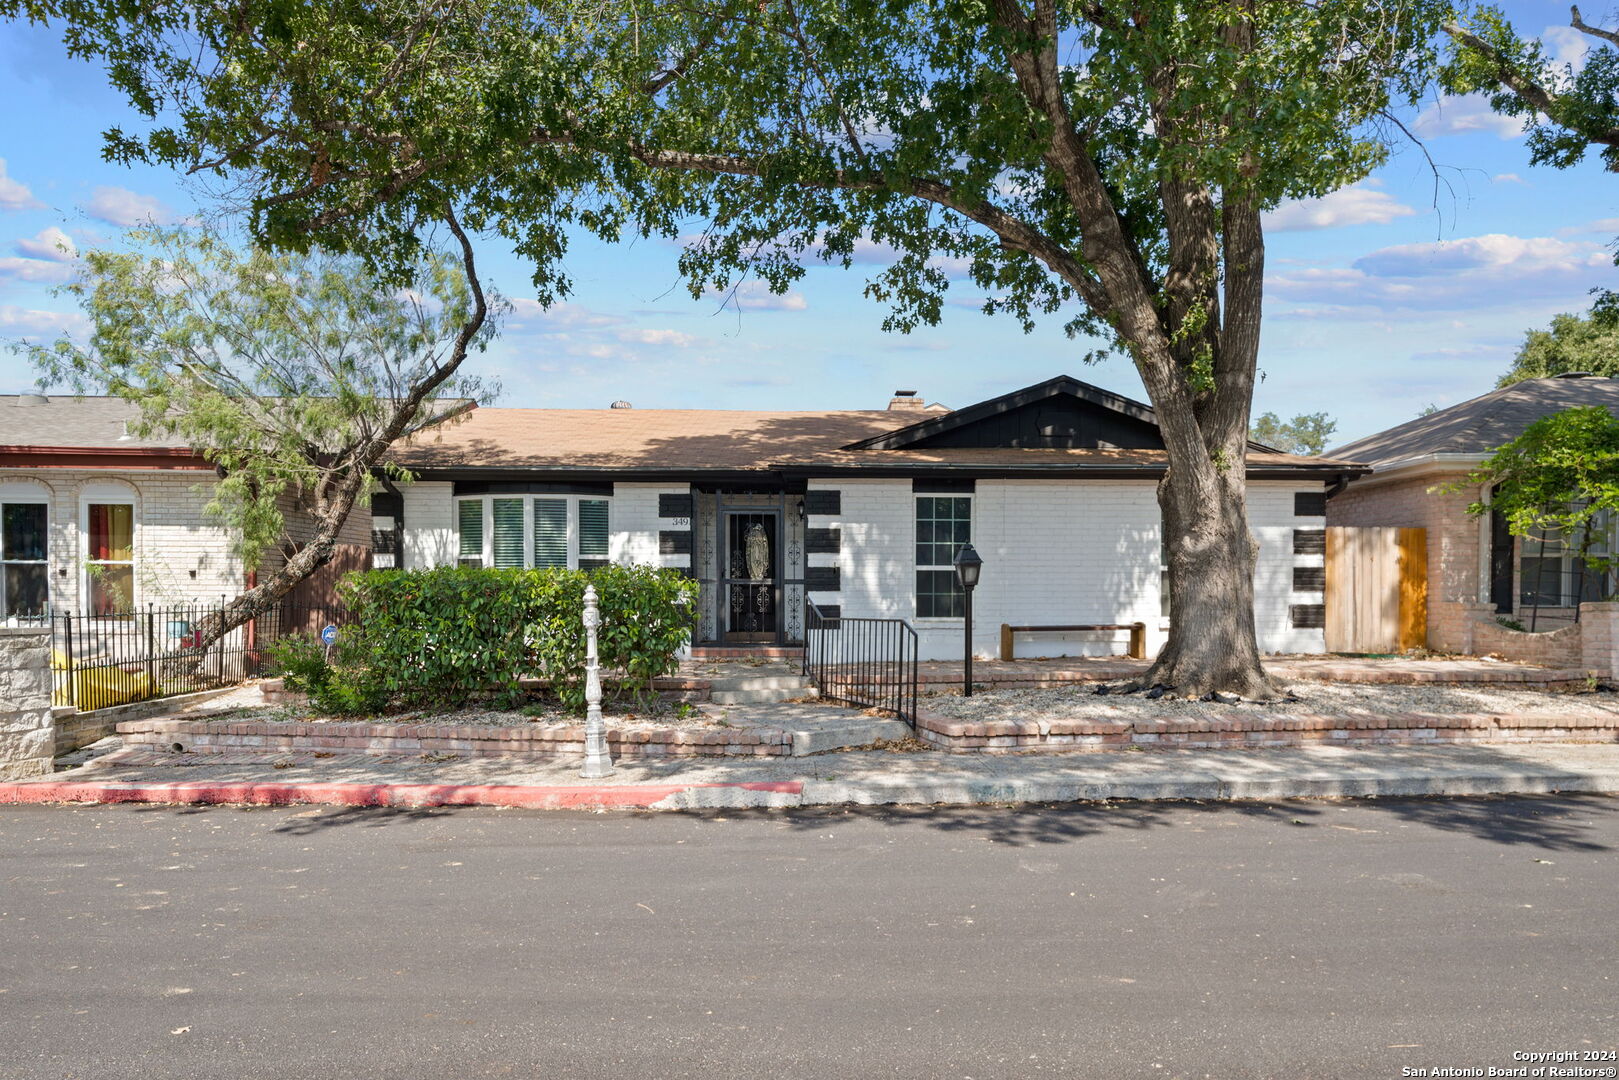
(1209,783)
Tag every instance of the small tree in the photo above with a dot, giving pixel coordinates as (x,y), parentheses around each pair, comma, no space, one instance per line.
(1560,477)
(294,374)
(1306,433)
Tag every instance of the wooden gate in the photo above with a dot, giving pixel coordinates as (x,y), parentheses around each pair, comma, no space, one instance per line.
(1377,589)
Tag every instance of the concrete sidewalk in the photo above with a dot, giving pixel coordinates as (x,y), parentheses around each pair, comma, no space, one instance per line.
(862,777)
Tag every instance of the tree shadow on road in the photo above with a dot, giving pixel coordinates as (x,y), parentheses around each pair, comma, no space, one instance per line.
(1550,822)
(308,820)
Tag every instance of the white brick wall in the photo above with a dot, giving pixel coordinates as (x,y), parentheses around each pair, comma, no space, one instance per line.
(180,554)
(1054,552)
(635,523)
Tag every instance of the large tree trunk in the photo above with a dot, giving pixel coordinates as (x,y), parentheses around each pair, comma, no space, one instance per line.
(1212,645)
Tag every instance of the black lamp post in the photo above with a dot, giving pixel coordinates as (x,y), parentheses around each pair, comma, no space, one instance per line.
(968,564)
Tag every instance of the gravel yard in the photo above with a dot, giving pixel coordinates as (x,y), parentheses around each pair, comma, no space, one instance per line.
(1322,699)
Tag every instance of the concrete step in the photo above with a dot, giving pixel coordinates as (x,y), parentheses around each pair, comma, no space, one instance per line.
(824,738)
(760,682)
(761,696)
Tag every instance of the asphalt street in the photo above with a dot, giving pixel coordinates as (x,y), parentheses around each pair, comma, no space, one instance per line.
(1303,939)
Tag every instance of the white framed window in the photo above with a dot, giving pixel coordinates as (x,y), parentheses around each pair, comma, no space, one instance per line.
(533,531)
(24,553)
(107,526)
(943,528)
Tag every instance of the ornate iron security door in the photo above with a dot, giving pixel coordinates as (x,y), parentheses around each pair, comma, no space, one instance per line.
(752,582)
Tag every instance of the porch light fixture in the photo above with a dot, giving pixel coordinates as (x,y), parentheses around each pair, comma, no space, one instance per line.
(968,566)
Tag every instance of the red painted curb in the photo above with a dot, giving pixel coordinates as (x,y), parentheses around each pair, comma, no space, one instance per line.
(260,794)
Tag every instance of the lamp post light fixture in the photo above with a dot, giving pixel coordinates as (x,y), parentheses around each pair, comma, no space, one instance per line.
(968,565)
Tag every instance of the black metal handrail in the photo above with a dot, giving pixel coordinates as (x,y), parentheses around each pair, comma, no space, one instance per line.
(866,662)
(117,658)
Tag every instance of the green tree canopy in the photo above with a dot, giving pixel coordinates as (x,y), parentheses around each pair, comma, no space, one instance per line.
(295,374)
(1559,478)
(1306,433)
(1105,163)
(1570,343)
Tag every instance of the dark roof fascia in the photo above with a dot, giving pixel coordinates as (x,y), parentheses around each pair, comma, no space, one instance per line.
(1062,384)
(1324,473)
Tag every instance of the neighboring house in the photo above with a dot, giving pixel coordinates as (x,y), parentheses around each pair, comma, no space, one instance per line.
(95,521)
(859,512)
(1472,560)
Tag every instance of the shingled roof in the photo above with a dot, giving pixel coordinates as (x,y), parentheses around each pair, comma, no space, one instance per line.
(37,420)
(1479,426)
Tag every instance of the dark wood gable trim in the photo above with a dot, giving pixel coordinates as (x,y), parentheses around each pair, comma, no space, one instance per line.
(934,426)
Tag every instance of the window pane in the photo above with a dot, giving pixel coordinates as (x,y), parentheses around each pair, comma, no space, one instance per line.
(508,545)
(112,589)
(550,532)
(939,595)
(112,532)
(471,532)
(22,531)
(24,589)
(1541,584)
(592,528)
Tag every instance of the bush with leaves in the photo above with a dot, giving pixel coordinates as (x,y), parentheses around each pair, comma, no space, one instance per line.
(449,635)
(335,683)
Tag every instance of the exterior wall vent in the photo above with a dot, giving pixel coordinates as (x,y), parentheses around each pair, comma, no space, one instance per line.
(32,400)
(621,405)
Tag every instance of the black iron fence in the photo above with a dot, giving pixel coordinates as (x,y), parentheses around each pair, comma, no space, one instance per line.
(102,660)
(865,662)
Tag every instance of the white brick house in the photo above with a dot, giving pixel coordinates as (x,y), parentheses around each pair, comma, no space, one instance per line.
(859,513)
(93,520)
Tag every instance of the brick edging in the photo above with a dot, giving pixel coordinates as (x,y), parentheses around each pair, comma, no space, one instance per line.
(1205,731)
(526,796)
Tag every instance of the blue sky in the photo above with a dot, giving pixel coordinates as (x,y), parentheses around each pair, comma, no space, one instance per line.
(1381,299)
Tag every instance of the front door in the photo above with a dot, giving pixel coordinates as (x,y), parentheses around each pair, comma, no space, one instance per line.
(753,574)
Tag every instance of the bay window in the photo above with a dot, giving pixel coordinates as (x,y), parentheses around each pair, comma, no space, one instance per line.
(518,531)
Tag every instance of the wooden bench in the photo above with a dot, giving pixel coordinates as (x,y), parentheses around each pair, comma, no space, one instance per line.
(1138,635)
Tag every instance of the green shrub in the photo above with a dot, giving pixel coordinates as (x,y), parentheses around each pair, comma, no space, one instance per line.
(338,683)
(448,635)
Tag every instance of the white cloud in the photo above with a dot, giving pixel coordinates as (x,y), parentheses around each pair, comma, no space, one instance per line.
(1508,178)
(1473,274)
(672,338)
(755,295)
(15,195)
(16,320)
(1494,254)
(562,315)
(1358,204)
(42,270)
(125,208)
(49,243)
(1566,45)
(1465,115)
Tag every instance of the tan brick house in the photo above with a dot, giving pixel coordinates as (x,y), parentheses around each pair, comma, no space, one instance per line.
(1477,571)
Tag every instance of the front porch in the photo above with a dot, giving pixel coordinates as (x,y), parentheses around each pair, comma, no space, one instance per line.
(748,555)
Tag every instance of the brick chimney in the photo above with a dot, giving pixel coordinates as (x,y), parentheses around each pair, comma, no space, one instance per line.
(905,399)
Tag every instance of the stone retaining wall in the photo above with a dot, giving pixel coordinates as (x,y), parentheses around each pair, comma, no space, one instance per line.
(531,740)
(27,741)
(1268,730)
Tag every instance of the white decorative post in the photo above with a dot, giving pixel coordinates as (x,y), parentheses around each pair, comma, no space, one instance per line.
(598,763)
